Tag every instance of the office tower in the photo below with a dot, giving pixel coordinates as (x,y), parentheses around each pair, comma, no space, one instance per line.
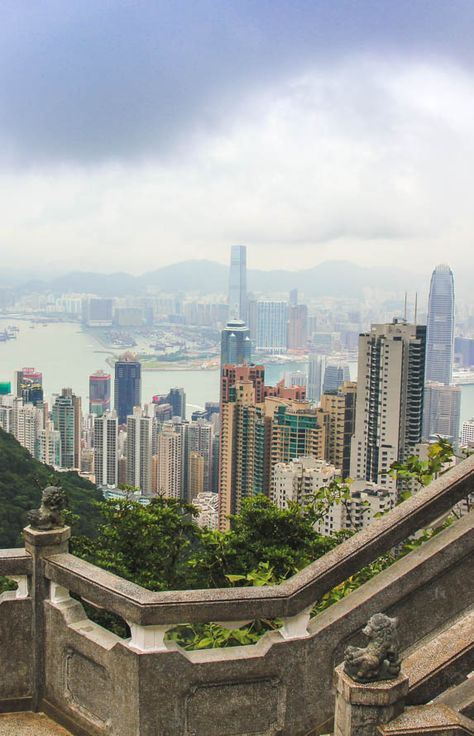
(238,283)
(177,399)
(272,326)
(298,479)
(127,388)
(339,408)
(467,433)
(139,449)
(48,445)
(106,449)
(29,385)
(440,327)
(297,327)
(442,411)
(65,422)
(200,440)
(98,312)
(99,393)
(5,388)
(389,406)
(334,376)
(235,343)
(196,474)
(315,377)
(170,462)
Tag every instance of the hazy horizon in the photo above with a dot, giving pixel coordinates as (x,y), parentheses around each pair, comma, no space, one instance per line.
(135,136)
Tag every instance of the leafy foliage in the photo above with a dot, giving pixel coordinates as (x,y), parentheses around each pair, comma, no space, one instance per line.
(22,479)
(422,472)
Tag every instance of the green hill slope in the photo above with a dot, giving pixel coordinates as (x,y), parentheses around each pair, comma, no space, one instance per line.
(22,479)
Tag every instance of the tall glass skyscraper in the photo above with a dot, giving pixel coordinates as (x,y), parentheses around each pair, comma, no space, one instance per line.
(127,387)
(235,343)
(440,329)
(238,283)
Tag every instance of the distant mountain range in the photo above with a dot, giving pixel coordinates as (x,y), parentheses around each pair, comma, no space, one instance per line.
(331,278)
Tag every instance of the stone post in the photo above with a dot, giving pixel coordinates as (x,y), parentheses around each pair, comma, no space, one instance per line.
(40,545)
(361,708)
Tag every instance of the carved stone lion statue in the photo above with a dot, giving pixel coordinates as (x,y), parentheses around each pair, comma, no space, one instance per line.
(49,515)
(380,659)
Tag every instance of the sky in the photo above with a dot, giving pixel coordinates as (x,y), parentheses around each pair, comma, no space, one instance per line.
(137,134)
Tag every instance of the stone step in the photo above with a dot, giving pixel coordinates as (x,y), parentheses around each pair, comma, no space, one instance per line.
(441,662)
(429,720)
(29,724)
(460,698)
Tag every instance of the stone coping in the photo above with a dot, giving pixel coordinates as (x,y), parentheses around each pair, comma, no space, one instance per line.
(143,607)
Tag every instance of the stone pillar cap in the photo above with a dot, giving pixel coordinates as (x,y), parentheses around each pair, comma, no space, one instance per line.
(51,538)
(381,693)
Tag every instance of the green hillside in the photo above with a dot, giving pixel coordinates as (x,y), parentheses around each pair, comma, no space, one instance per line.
(22,479)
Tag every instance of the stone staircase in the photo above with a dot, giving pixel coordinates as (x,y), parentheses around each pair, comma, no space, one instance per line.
(440,668)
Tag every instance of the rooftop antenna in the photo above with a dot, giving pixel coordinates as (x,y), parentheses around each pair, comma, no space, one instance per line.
(416,306)
(405,309)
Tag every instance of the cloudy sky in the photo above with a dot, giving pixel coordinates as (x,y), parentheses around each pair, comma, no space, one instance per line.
(138,133)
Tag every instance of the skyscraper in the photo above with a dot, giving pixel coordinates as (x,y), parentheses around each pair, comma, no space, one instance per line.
(335,374)
(315,375)
(200,441)
(297,326)
(127,388)
(440,328)
(235,343)
(389,405)
(238,283)
(139,449)
(105,449)
(65,422)
(99,393)
(170,462)
(442,411)
(339,407)
(272,326)
(177,400)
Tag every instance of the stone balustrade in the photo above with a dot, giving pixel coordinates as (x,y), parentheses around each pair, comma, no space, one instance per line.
(54,658)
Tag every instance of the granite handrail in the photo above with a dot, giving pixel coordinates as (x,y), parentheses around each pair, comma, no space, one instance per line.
(292,597)
(15,562)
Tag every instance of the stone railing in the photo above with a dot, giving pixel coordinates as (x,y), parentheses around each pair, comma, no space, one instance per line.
(53,657)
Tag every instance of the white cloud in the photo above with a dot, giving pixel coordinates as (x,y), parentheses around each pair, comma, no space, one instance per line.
(372,161)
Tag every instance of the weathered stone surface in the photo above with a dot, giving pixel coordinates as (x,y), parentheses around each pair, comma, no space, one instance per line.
(29,724)
(436,719)
(251,707)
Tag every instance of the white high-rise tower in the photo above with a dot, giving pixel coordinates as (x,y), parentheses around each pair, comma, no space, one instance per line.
(389,406)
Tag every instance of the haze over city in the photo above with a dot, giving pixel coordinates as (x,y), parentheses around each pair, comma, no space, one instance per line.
(134,136)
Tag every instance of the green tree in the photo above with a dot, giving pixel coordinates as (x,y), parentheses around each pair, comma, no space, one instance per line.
(146,544)
(22,479)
